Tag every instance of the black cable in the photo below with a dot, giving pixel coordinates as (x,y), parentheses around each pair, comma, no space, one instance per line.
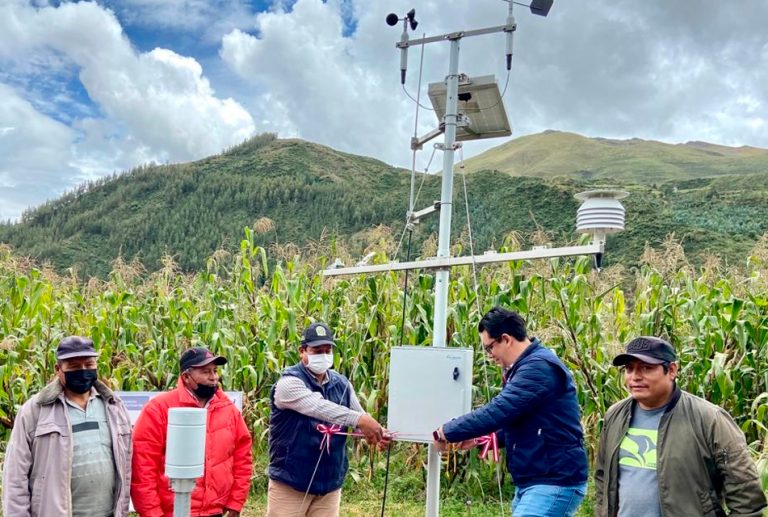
(402,332)
(479,109)
(386,480)
(501,99)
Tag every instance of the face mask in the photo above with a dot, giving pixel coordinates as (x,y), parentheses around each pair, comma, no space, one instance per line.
(319,363)
(80,381)
(205,391)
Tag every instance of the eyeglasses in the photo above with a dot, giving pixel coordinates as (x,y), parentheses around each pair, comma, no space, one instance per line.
(489,346)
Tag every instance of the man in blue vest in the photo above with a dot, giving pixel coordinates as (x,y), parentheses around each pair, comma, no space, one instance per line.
(306,466)
(536,417)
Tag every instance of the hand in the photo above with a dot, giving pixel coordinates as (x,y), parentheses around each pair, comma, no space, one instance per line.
(385,441)
(440,446)
(371,429)
(439,441)
(466,445)
(231,513)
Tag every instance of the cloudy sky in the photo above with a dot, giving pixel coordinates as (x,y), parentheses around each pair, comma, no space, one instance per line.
(87,89)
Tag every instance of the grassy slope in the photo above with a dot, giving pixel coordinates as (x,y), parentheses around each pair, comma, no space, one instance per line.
(555,153)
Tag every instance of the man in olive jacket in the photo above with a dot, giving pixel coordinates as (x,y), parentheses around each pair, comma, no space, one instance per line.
(665,452)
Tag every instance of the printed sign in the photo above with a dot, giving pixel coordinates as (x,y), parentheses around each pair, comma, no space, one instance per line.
(136,400)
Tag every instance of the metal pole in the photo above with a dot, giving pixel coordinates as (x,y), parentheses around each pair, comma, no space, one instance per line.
(444,250)
(182,496)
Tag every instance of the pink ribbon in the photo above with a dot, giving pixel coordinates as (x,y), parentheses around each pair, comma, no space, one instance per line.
(489,442)
(328,431)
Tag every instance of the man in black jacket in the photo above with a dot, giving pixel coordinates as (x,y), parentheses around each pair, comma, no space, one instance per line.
(536,416)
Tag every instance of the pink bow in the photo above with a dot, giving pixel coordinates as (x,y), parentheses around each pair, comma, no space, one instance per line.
(489,442)
(328,431)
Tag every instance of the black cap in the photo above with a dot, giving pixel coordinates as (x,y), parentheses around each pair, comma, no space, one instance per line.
(75,346)
(651,350)
(317,334)
(199,356)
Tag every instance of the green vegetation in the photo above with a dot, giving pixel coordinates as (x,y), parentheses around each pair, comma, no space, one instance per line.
(556,153)
(290,191)
(252,311)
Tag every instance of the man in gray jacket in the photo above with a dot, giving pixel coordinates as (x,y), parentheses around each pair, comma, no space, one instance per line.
(70,448)
(665,452)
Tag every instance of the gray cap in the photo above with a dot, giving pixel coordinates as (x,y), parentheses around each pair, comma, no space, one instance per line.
(75,346)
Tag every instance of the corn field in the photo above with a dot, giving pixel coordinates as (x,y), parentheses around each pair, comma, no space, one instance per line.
(251,306)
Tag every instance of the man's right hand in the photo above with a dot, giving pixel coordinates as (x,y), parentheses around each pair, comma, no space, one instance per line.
(371,429)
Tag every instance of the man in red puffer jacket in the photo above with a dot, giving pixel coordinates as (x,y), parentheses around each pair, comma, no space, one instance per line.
(224,486)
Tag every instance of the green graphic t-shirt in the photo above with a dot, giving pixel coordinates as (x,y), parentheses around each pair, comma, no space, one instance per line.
(638,487)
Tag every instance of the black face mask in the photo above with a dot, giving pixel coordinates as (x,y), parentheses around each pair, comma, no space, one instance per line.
(205,391)
(80,381)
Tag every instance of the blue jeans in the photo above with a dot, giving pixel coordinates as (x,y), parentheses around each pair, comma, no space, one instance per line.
(547,500)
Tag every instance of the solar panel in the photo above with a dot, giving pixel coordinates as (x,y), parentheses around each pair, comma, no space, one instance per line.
(480,102)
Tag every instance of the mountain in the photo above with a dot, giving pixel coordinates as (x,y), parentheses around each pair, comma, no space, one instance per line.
(556,153)
(189,210)
(315,194)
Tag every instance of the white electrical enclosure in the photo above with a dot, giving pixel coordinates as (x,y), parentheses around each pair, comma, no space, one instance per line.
(428,386)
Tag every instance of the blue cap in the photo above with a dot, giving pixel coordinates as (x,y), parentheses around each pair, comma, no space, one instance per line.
(317,334)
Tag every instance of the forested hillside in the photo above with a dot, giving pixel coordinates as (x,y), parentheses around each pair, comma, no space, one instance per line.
(292,191)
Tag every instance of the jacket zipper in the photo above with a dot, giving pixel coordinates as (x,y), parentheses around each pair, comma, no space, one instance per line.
(614,452)
(116,454)
(70,458)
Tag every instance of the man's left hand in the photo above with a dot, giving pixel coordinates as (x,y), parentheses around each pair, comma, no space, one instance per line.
(231,513)
(439,441)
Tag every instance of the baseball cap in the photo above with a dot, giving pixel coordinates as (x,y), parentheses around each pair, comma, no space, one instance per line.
(651,350)
(199,356)
(75,346)
(317,334)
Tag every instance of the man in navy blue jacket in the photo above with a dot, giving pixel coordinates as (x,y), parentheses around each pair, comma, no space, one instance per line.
(536,416)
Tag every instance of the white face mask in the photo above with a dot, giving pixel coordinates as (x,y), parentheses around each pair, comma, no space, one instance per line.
(319,363)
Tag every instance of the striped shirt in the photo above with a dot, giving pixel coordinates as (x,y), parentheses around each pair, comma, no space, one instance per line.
(93,465)
(291,393)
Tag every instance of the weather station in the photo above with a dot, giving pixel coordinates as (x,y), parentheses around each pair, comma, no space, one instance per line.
(430,385)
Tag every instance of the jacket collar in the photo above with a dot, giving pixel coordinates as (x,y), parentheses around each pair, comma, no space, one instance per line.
(186,398)
(674,399)
(535,344)
(54,390)
(312,377)
(530,349)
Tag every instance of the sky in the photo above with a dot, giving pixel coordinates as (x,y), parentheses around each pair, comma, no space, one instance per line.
(92,88)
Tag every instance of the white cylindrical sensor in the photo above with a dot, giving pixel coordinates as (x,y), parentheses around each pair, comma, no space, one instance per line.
(601,212)
(185,447)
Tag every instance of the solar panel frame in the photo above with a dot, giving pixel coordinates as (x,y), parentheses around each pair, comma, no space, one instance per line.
(485,109)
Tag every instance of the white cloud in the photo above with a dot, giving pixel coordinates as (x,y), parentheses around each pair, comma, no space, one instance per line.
(35,155)
(613,68)
(208,19)
(343,91)
(156,105)
(318,83)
